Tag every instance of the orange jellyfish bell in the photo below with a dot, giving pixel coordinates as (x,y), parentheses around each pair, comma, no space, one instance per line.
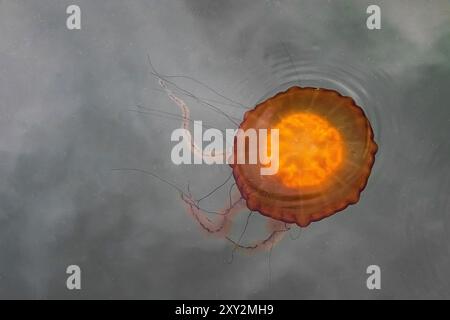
(326,153)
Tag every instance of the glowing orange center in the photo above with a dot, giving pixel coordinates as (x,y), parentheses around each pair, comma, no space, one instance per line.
(310,150)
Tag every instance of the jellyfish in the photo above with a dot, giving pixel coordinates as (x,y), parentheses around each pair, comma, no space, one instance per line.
(326,153)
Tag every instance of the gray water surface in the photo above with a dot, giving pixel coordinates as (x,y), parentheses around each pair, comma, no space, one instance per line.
(65,123)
